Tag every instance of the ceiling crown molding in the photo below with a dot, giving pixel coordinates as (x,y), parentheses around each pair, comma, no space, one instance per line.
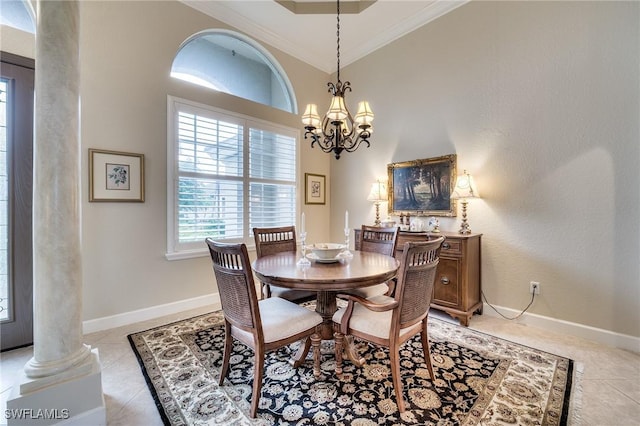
(324,7)
(431,12)
(309,37)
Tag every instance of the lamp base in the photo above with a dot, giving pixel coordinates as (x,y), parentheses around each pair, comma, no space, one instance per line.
(377,221)
(464,226)
(464,229)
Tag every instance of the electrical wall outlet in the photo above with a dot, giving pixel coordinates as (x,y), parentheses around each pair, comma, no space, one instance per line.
(534,287)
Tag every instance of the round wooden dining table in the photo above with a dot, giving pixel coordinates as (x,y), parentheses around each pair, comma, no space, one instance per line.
(327,279)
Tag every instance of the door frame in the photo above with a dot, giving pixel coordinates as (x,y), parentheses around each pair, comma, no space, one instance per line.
(17,331)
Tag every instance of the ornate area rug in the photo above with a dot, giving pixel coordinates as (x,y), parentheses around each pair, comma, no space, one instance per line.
(480,380)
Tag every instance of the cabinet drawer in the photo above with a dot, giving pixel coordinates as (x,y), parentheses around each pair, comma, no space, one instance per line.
(451,247)
(446,288)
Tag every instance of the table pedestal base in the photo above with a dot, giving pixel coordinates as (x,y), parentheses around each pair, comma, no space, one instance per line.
(326,306)
(345,349)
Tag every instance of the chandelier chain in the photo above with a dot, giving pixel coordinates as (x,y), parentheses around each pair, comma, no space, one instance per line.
(338,39)
(338,131)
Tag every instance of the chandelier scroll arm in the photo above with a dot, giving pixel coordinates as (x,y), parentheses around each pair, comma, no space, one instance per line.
(338,130)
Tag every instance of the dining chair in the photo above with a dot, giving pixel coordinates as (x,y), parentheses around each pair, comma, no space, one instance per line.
(376,239)
(278,240)
(262,325)
(391,321)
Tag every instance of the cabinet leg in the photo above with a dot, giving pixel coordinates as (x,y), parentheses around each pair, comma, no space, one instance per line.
(464,319)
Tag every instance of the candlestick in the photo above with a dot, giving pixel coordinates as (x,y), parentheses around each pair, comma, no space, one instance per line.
(346,253)
(303,261)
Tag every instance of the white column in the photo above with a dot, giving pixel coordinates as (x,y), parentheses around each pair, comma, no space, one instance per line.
(64,374)
(57,251)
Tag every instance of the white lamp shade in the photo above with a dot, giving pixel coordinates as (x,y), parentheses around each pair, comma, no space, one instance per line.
(364,117)
(378,192)
(465,187)
(337,109)
(310,118)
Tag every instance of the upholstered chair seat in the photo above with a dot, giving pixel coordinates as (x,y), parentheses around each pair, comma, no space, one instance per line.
(280,320)
(375,324)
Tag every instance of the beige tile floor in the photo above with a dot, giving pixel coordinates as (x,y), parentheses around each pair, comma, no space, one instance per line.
(610,384)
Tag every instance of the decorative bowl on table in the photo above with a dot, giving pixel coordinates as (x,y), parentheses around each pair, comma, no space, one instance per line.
(326,252)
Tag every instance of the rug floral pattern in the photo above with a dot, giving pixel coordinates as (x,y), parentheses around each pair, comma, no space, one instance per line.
(480,379)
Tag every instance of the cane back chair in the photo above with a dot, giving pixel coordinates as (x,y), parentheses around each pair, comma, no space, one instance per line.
(391,321)
(262,325)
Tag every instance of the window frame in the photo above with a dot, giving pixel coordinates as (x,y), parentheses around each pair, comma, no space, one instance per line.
(175,250)
(267,59)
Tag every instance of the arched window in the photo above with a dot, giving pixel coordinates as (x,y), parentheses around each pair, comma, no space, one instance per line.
(228,172)
(232,63)
(18,14)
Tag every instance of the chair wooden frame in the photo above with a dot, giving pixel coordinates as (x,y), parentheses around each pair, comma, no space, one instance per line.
(409,310)
(243,318)
(278,240)
(377,239)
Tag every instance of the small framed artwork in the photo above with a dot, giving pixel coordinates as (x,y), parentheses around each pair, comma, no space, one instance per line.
(116,176)
(423,187)
(314,189)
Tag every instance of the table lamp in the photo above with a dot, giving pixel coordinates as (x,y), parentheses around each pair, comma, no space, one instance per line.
(378,194)
(465,188)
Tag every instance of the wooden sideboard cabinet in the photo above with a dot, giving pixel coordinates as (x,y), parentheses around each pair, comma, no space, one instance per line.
(457,285)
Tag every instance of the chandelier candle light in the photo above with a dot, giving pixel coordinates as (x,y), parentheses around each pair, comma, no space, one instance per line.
(465,189)
(339,130)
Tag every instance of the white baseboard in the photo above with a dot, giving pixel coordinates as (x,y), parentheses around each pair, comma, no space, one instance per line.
(126,318)
(606,337)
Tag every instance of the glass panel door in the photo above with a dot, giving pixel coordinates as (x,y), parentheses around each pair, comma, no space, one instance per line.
(5,308)
(16,200)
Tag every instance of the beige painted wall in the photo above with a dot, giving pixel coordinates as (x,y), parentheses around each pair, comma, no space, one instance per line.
(17,42)
(540,101)
(127,51)
(126,54)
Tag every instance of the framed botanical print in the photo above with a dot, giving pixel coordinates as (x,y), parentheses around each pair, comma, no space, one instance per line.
(314,189)
(116,176)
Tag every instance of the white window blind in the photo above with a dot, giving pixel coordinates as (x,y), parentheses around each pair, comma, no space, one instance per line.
(272,164)
(228,174)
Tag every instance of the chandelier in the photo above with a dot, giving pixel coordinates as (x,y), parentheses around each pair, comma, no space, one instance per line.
(339,130)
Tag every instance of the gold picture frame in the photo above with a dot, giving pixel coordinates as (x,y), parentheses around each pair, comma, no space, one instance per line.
(314,189)
(116,176)
(423,187)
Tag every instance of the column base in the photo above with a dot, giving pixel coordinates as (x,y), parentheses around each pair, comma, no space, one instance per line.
(40,374)
(69,398)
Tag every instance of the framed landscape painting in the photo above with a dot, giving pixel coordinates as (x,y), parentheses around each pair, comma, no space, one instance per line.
(423,187)
(116,176)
